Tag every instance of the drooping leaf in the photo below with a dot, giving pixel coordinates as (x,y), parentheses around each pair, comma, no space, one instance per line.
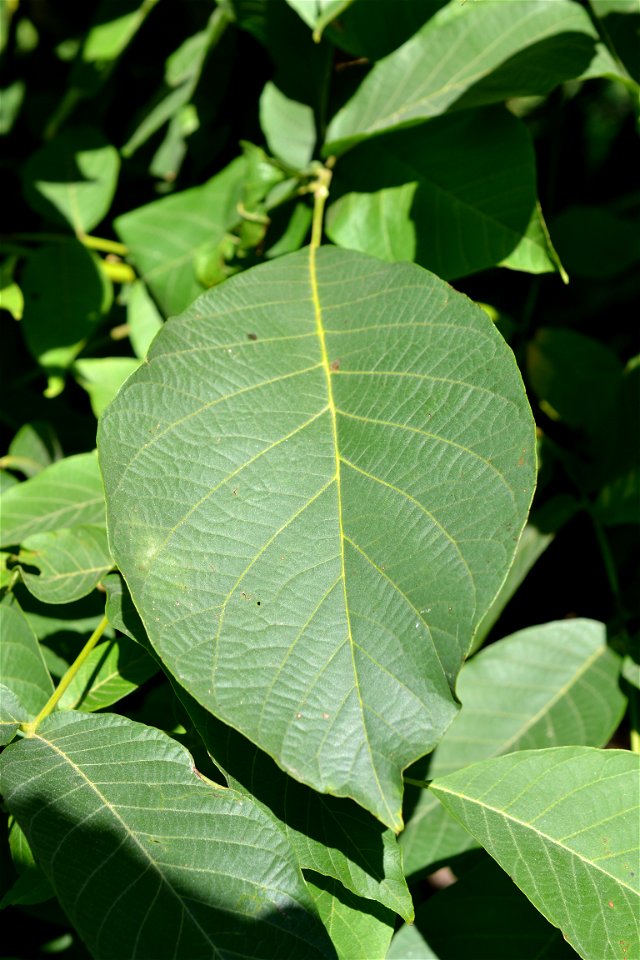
(545,686)
(358,928)
(468,55)
(118,816)
(111,671)
(66,295)
(22,668)
(165,236)
(69,563)
(66,494)
(565,825)
(102,377)
(499,923)
(72,179)
(349,449)
(407,196)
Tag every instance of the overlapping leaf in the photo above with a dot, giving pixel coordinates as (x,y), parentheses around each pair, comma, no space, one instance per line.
(324,471)
(22,668)
(110,672)
(468,55)
(164,237)
(565,824)
(542,687)
(148,860)
(358,928)
(406,196)
(66,494)
(333,837)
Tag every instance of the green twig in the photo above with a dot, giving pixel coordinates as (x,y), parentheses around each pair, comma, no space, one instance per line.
(30,728)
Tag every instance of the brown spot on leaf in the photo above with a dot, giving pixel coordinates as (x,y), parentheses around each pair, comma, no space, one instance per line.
(252,336)
(335,364)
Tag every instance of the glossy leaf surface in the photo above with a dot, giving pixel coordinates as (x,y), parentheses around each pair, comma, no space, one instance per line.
(154,849)
(565,824)
(324,471)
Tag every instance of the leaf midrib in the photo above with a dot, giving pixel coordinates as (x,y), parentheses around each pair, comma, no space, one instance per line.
(326,366)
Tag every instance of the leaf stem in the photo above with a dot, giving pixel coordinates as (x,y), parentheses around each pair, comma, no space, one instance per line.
(417,783)
(100,243)
(30,728)
(320,190)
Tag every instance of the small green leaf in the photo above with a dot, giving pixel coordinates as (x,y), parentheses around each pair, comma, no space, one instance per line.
(289,127)
(69,562)
(468,55)
(66,296)
(102,377)
(73,178)
(318,14)
(111,671)
(12,713)
(22,667)
(31,886)
(66,494)
(164,237)
(143,318)
(565,825)
(34,447)
(181,868)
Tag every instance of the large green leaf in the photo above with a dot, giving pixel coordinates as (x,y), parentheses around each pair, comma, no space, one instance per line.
(499,923)
(407,196)
(165,236)
(147,859)
(66,494)
(315,485)
(68,563)
(545,686)
(22,668)
(72,179)
(102,377)
(468,55)
(565,824)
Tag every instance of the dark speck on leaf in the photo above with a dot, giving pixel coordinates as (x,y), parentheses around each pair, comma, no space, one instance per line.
(252,336)
(258,602)
(335,364)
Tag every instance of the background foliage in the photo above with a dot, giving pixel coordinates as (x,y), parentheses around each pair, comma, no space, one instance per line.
(152,151)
